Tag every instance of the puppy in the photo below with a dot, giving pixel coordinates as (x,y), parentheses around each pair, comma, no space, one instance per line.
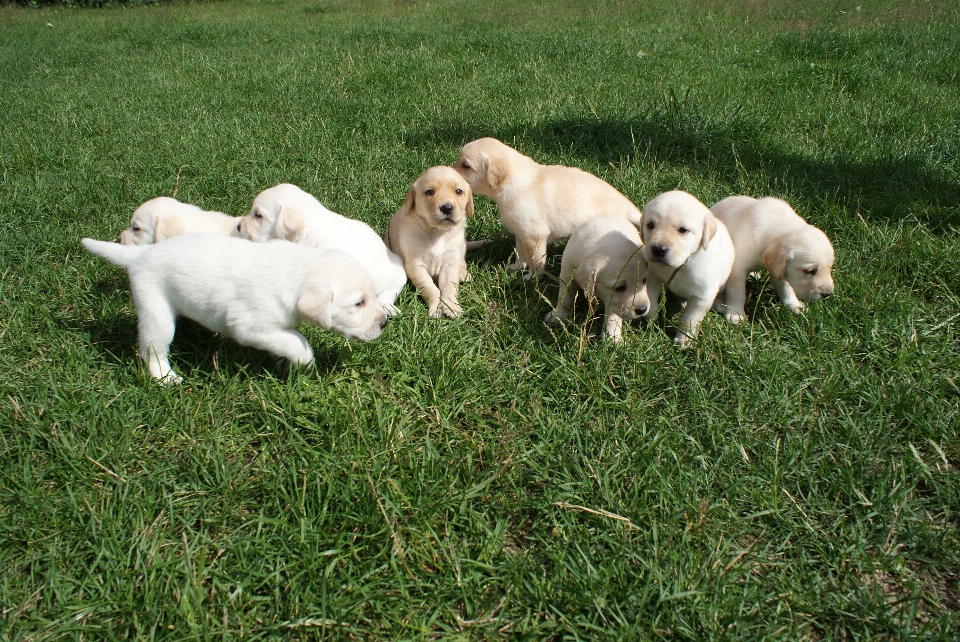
(288,213)
(603,257)
(538,203)
(164,217)
(255,294)
(428,232)
(690,250)
(767,232)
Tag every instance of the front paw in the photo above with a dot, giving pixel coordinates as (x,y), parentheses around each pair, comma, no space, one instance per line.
(391,310)
(735,316)
(449,310)
(170,379)
(683,340)
(556,316)
(517,265)
(796,306)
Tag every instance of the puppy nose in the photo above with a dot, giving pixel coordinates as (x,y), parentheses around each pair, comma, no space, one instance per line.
(238,227)
(640,311)
(826,294)
(446,208)
(658,251)
(383,323)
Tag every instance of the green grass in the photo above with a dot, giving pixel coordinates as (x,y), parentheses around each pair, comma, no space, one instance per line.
(794,477)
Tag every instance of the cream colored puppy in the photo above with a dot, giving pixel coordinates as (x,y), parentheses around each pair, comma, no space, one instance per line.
(768,233)
(429,234)
(603,257)
(165,217)
(288,213)
(690,250)
(255,294)
(540,204)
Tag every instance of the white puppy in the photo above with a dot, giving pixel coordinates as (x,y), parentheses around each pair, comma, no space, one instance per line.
(165,217)
(603,257)
(255,294)
(538,203)
(429,234)
(767,232)
(288,213)
(688,249)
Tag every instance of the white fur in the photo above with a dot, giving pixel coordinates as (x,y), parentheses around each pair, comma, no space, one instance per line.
(768,233)
(540,204)
(287,212)
(255,294)
(687,247)
(429,234)
(164,217)
(603,257)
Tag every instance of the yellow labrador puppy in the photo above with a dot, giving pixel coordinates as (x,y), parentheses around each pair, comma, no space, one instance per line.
(165,217)
(768,233)
(540,204)
(428,233)
(603,257)
(690,250)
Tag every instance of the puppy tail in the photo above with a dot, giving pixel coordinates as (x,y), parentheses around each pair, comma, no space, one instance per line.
(473,245)
(120,255)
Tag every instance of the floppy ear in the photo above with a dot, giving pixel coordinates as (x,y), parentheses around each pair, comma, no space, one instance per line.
(314,306)
(775,260)
(643,239)
(411,200)
(498,169)
(709,229)
(167,227)
(289,224)
(469,203)
(588,279)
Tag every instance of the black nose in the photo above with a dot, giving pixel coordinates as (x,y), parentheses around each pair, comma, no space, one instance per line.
(640,311)
(658,251)
(383,324)
(826,294)
(238,227)
(446,208)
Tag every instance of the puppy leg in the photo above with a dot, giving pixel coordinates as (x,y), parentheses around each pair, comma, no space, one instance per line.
(788,296)
(733,298)
(157,323)
(288,344)
(429,292)
(464,274)
(394,282)
(564,296)
(690,319)
(654,288)
(449,282)
(537,257)
(614,328)
(522,258)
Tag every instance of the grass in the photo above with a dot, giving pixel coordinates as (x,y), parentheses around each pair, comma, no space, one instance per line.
(794,477)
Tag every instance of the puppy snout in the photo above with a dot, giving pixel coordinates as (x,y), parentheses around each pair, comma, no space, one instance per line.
(826,294)
(658,251)
(383,323)
(446,208)
(641,310)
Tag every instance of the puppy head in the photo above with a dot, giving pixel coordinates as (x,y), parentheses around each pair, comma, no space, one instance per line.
(674,226)
(440,198)
(485,165)
(274,215)
(804,258)
(154,221)
(621,286)
(341,296)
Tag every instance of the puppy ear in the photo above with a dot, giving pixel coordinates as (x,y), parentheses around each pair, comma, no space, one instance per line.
(411,200)
(315,306)
(498,169)
(588,280)
(643,239)
(168,227)
(289,224)
(469,203)
(709,230)
(775,259)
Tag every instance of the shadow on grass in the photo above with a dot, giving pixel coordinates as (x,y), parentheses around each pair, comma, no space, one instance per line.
(676,134)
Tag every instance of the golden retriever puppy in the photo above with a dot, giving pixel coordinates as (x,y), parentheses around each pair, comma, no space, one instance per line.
(540,204)
(288,213)
(603,257)
(255,294)
(164,217)
(768,233)
(428,233)
(688,249)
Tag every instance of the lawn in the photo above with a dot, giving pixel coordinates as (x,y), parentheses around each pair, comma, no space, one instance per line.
(793,477)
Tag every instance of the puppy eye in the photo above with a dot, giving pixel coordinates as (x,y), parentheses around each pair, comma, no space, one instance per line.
(810,271)
(644,280)
(429,192)
(361,303)
(620,288)
(650,225)
(459,191)
(135,228)
(683,230)
(465,165)
(257,215)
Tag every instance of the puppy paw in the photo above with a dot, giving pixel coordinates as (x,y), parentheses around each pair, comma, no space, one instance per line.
(466,278)
(391,310)
(555,316)
(682,340)
(517,265)
(734,316)
(452,310)
(796,306)
(170,379)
